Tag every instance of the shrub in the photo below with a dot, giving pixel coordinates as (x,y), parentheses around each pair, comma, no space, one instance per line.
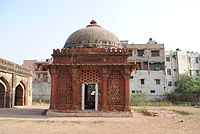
(188,89)
(138,98)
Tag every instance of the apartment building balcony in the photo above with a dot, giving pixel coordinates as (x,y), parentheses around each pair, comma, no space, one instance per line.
(41,80)
(41,69)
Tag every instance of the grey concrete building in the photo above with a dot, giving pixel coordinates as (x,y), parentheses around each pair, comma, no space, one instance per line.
(180,62)
(41,85)
(149,77)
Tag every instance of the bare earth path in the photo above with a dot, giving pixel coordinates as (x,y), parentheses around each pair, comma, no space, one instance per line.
(166,120)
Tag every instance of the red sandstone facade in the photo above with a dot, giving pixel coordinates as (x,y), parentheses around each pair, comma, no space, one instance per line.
(90,79)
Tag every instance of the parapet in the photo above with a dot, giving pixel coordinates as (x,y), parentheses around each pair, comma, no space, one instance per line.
(90,56)
(66,51)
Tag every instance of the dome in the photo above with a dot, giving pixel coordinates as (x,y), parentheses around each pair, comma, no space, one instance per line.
(93,36)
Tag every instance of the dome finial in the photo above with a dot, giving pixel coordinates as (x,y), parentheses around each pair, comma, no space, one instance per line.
(93,22)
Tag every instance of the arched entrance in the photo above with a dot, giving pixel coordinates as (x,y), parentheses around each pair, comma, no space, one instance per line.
(19,96)
(2,95)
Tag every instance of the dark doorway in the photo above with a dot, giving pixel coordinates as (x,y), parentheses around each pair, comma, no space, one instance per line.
(2,96)
(19,99)
(89,96)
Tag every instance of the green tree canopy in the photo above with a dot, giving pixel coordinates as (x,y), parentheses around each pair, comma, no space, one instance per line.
(188,84)
(188,89)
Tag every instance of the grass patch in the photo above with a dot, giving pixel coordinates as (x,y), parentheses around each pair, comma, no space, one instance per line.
(151,103)
(14,120)
(181,112)
(40,102)
(52,121)
(22,121)
(98,122)
(42,121)
(70,122)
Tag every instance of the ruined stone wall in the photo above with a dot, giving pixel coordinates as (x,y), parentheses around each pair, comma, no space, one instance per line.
(12,75)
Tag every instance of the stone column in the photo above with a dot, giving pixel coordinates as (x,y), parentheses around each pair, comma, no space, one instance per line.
(75,88)
(29,91)
(24,98)
(127,89)
(104,89)
(13,89)
(54,76)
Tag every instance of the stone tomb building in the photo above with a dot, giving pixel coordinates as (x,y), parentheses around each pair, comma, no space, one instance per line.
(91,73)
(15,85)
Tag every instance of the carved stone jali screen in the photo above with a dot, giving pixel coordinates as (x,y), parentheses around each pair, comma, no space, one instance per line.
(95,79)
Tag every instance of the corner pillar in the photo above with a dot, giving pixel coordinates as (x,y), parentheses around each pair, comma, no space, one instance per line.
(54,77)
(75,88)
(105,89)
(127,89)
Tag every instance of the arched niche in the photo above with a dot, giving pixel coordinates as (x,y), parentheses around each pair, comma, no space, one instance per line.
(19,95)
(4,96)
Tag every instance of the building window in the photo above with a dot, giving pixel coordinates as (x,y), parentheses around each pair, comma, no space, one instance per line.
(155,53)
(156,66)
(169,83)
(196,60)
(145,66)
(152,91)
(139,67)
(130,52)
(174,56)
(45,76)
(142,81)
(132,63)
(140,53)
(197,71)
(168,59)
(169,71)
(157,81)
(138,91)
(174,70)
(44,69)
(133,91)
(189,60)
(175,83)
(131,77)
(38,76)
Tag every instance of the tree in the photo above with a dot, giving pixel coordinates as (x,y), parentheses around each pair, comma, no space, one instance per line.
(184,83)
(188,89)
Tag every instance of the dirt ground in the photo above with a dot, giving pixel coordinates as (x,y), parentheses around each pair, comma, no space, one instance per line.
(145,120)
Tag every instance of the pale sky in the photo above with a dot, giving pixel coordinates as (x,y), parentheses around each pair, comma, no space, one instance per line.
(31,29)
